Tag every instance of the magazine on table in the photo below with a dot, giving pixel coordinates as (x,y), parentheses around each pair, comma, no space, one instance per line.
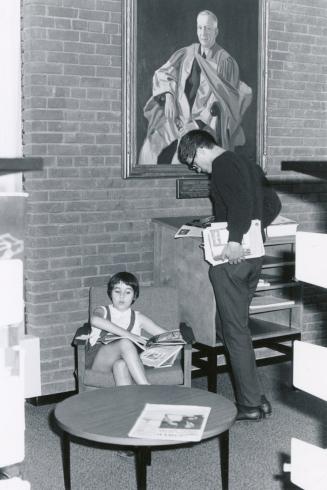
(216,236)
(171,422)
(159,351)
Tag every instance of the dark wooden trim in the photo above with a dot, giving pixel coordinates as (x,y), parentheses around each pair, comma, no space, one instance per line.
(49,399)
(23,164)
(309,167)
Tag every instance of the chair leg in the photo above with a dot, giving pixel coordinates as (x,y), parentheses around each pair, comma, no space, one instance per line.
(212,370)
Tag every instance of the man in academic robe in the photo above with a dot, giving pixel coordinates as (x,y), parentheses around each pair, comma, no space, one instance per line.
(198,87)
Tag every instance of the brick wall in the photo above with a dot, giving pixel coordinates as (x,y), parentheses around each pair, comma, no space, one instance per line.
(83,221)
(297,125)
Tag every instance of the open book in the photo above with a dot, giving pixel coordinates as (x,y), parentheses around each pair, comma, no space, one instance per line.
(215,238)
(159,351)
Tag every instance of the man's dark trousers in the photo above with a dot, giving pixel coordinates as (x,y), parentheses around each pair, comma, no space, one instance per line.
(234,286)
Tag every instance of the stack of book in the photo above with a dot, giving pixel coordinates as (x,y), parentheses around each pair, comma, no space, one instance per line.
(281,226)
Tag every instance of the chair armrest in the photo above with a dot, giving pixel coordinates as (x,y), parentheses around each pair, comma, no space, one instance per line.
(188,335)
(80,352)
(187,365)
(80,345)
(81,332)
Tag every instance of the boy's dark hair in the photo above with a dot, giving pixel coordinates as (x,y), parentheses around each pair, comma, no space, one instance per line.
(190,142)
(126,278)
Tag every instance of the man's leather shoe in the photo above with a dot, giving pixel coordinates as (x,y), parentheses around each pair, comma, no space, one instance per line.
(265,406)
(249,413)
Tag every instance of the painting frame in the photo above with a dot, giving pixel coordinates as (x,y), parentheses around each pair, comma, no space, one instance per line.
(130,168)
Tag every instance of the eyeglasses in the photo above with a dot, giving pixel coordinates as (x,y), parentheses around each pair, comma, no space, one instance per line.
(192,165)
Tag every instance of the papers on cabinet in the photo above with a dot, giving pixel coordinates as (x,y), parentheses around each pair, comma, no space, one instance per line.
(189,232)
(281,226)
(194,228)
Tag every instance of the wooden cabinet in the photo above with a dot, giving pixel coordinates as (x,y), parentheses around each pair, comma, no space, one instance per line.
(275,312)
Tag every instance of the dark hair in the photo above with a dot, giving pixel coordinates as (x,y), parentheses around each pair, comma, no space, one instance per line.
(126,278)
(191,141)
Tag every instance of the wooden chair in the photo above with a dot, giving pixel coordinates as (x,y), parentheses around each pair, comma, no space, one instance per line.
(159,304)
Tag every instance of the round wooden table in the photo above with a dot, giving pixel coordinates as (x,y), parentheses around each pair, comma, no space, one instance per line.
(107,415)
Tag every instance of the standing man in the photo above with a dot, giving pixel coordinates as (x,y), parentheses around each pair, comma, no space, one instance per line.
(240,193)
(198,87)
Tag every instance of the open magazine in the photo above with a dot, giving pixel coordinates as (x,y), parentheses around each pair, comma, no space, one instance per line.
(188,231)
(171,422)
(215,238)
(160,356)
(194,227)
(159,351)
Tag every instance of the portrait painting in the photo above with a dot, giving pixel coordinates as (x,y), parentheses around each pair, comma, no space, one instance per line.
(191,65)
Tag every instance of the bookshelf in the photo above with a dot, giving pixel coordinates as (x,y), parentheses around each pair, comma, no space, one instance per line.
(280,302)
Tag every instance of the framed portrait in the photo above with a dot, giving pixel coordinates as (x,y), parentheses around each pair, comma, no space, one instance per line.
(182,71)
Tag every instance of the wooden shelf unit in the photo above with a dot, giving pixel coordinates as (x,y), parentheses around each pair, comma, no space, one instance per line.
(179,262)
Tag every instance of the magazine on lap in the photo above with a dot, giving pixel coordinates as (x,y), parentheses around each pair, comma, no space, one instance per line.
(159,351)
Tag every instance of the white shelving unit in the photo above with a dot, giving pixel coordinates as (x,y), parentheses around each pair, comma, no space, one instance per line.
(308,468)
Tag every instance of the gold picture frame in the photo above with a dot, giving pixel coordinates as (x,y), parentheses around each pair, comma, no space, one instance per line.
(149,38)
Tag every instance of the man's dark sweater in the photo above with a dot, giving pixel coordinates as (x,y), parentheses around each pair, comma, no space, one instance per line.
(240,193)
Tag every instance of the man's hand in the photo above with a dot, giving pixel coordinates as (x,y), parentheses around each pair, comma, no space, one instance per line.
(170,107)
(233,252)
